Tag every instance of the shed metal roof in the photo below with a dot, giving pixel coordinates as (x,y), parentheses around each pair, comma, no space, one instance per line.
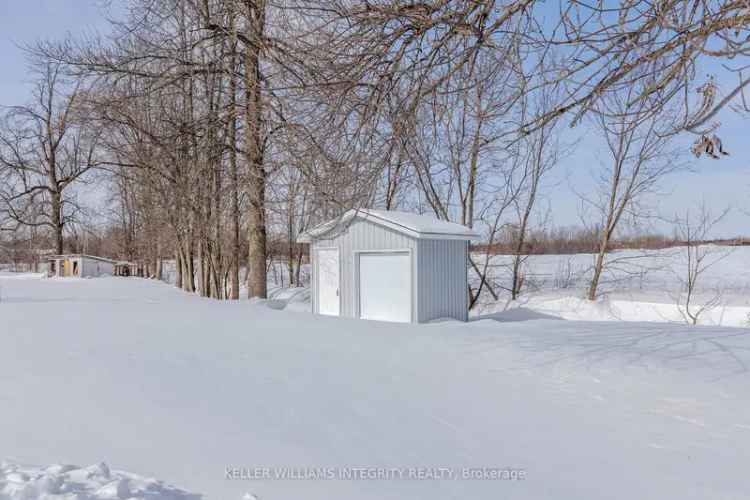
(414,225)
(79,256)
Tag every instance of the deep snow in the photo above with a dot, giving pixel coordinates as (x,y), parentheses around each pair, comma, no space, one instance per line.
(637,285)
(158,383)
(68,482)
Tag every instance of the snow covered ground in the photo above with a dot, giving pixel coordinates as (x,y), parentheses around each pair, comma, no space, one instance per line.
(68,482)
(638,286)
(203,395)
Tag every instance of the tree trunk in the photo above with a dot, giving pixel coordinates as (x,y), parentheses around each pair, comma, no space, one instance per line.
(598,266)
(178,270)
(517,258)
(256,189)
(298,270)
(204,285)
(188,273)
(57,222)
(516,279)
(515,288)
(234,273)
(290,243)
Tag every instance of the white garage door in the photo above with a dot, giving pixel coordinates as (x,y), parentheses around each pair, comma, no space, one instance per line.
(385,286)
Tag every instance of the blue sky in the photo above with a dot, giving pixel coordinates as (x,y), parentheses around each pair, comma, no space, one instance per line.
(25,22)
(721,183)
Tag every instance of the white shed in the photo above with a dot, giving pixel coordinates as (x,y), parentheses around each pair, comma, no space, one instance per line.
(79,265)
(389,266)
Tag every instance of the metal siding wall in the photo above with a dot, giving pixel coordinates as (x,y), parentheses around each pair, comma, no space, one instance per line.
(442,279)
(362,236)
(88,266)
(424,278)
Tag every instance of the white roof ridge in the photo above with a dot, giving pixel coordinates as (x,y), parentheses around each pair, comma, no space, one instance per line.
(419,226)
(79,255)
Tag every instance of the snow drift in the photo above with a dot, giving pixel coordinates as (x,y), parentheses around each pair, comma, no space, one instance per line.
(68,482)
(177,387)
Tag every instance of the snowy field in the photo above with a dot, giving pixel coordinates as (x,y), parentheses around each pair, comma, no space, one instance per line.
(638,286)
(143,378)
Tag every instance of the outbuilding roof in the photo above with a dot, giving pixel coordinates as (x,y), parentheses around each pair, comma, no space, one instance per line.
(411,224)
(79,256)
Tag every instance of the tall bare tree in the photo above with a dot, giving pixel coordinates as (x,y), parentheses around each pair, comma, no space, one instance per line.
(639,156)
(541,153)
(694,229)
(45,148)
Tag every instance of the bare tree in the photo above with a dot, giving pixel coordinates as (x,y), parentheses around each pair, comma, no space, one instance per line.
(462,170)
(656,47)
(639,157)
(694,229)
(541,153)
(45,148)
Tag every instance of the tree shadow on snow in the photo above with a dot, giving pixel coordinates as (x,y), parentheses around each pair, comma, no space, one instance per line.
(515,315)
(709,353)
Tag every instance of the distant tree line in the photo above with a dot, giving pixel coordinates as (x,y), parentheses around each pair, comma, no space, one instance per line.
(577,240)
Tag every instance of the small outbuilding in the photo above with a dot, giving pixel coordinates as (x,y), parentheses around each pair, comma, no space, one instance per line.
(126,269)
(389,266)
(79,265)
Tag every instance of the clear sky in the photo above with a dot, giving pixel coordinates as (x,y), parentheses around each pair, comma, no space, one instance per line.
(721,183)
(26,21)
